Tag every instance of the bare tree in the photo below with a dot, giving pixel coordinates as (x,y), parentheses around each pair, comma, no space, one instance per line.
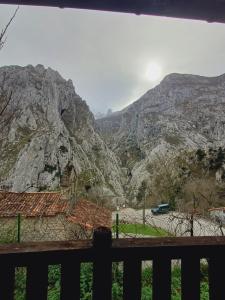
(5,96)
(3,33)
(166,178)
(186,181)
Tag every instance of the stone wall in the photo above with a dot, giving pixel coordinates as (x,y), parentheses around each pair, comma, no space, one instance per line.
(218,215)
(55,228)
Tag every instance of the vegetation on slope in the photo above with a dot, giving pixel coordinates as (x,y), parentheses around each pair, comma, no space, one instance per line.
(187,178)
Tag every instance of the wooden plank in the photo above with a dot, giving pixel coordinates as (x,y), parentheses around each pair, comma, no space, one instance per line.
(42,247)
(102,264)
(37,282)
(190,278)
(45,248)
(7,281)
(132,280)
(216,277)
(163,242)
(161,278)
(140,249)
(70,281)
(102,279)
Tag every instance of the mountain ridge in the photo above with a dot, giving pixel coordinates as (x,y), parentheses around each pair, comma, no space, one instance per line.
(182,112)
(50,133)
(51,140)
(167,79)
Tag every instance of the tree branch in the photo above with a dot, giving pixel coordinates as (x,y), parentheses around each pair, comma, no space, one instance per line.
(4,30)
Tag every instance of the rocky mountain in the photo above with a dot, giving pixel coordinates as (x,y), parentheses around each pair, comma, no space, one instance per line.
(49,139)
(48,136)
(182,112)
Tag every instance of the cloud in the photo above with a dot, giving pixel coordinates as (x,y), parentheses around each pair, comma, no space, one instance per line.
(106,54)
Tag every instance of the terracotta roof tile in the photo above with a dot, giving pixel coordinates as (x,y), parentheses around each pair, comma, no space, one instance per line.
(32,204)
(90,215)
(38,204)
(216,208)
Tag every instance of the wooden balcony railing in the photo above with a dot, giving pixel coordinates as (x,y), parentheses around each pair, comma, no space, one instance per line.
(102,251)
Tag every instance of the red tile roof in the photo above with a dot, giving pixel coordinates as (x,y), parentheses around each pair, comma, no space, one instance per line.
(45,204)
(90,215)
(217,208)
(32,204)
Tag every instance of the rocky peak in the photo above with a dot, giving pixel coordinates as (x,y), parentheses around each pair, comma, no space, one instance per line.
(51,130)
(51,140)
(183,111)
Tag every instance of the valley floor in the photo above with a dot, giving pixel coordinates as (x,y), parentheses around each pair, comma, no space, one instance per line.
(175,223)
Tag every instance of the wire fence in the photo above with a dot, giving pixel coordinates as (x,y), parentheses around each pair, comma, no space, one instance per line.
(127,223)
(135,223)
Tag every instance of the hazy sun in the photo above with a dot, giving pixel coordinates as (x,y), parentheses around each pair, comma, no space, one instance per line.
(154,71)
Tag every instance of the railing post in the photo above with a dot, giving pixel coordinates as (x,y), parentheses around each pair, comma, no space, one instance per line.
(37,281)
(132,279)
(161,278)
(216,278)
(7,281)
(117,225)
(102,265)
(18,228)
(190,278)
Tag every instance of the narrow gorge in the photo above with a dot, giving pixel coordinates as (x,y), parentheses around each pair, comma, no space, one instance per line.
(50,139)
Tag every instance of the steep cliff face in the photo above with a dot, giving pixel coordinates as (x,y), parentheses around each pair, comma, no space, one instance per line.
(182,112)
(49,132)
(49,138)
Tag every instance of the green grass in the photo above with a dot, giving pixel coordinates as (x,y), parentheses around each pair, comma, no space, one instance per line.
(141,229)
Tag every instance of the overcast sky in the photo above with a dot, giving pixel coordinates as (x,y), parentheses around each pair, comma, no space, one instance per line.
(112,58)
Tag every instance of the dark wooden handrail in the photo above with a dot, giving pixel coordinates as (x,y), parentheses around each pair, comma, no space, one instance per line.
(79,245)
(102,251)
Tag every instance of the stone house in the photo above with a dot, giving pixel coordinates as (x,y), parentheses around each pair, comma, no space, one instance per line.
(47,216)
(218,214)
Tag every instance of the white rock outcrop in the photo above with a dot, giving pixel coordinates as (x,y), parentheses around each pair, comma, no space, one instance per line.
(50,131)
(182,112)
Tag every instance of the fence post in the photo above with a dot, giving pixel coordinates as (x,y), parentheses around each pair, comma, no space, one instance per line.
(18,228)
(117,225)
(102,265)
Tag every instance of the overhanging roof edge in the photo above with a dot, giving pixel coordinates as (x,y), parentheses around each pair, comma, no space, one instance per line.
(207,10)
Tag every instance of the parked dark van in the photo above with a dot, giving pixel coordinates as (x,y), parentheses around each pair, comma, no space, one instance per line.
(161,209)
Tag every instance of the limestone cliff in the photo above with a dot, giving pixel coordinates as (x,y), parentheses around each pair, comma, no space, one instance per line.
(182,112)
(49,133)
(49,139)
